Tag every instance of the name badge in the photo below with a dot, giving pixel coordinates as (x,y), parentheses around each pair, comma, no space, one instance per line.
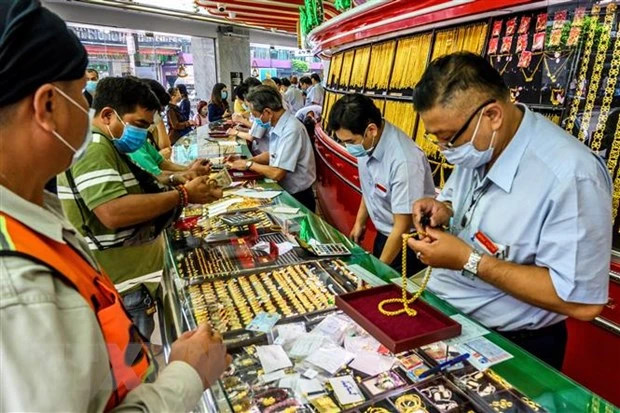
(485,244)
(381,188)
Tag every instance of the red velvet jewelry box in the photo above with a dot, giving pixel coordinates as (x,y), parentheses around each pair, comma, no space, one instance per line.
(401,332)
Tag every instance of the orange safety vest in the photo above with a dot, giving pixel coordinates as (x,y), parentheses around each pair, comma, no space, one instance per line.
(129,356)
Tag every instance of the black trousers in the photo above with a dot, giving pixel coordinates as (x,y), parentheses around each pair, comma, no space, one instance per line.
(306,198)
(413,264)
(547,343)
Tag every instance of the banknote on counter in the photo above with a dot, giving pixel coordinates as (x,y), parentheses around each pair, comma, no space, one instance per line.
(223,178)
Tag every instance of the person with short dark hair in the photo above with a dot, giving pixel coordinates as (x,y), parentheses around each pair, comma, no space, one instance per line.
(178,124)
(218,105)
(393,171)
(521,201)
(252,82)
(158,132)
(290,158)
(293,96)
(54,293)
(294,81)
(92,74)
(277,81)
(315,93)
(185,106)
(118,207)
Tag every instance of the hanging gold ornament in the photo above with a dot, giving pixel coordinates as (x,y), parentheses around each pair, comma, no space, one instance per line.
(597,71)
(583,70)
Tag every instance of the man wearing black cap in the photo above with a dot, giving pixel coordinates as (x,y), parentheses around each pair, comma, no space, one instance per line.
(62,322)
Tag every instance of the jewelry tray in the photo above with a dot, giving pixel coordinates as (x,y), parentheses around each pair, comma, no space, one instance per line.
(401,332)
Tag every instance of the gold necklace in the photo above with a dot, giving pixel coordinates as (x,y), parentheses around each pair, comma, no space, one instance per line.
(530,78)
(614,153)
(610,88)
(583,71)
(554,76)
(404,301)
(503,69)
(597,71)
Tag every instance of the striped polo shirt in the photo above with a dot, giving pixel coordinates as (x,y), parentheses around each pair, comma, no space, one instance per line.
(101,176)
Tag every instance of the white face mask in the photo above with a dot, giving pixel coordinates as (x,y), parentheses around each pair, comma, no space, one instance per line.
(467,155)
(79,152)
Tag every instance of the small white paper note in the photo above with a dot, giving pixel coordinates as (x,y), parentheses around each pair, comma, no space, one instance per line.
(273,376)
(346,390)
(484,353)
(252,193)
(305,345)
(262,246)
(330,359)
(310,373)
(285,210)
(284,247)
(371,363)
(469,330)
(272,358)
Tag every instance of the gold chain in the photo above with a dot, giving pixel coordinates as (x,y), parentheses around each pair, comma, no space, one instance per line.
(529,78)
(406,309)
(595,77)
(611,164)
(610,88)
(583,70)
(554,76)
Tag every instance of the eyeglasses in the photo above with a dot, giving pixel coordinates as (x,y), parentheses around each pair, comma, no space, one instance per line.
(433,138)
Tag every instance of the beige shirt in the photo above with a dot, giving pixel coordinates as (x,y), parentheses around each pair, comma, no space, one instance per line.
(52,351)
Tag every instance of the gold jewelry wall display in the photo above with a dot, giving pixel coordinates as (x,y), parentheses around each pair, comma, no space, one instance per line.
(529,78)
(503,69)
(611,164)
(595,77)
(583,71)
(608,96)
(404,301)
(408,66)
(554,76)
(360,67)
(381,57)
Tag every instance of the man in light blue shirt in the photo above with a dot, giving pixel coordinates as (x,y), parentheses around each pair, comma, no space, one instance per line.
(290,158)
(293,96)
(529,206)
(393,171)
(315,93)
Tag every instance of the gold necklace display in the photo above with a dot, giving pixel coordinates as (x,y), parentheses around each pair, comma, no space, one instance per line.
(408,66)
(529,78)
(401,114)
(503,69)
(597,71)
(404,301)
(409,403)
(554,76)
(381,57)
(608,96)
(360,67)
(583,71)
(611,164)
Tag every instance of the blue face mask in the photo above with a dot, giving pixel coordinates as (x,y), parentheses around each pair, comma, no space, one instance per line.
(262,124)
(91,86)
(357,149)
(132,139)
(224,95)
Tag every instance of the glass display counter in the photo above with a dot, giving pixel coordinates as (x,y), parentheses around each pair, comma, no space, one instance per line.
(265,263)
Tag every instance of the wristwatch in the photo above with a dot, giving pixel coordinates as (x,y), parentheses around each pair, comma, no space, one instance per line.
(470,269)
(248,165)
